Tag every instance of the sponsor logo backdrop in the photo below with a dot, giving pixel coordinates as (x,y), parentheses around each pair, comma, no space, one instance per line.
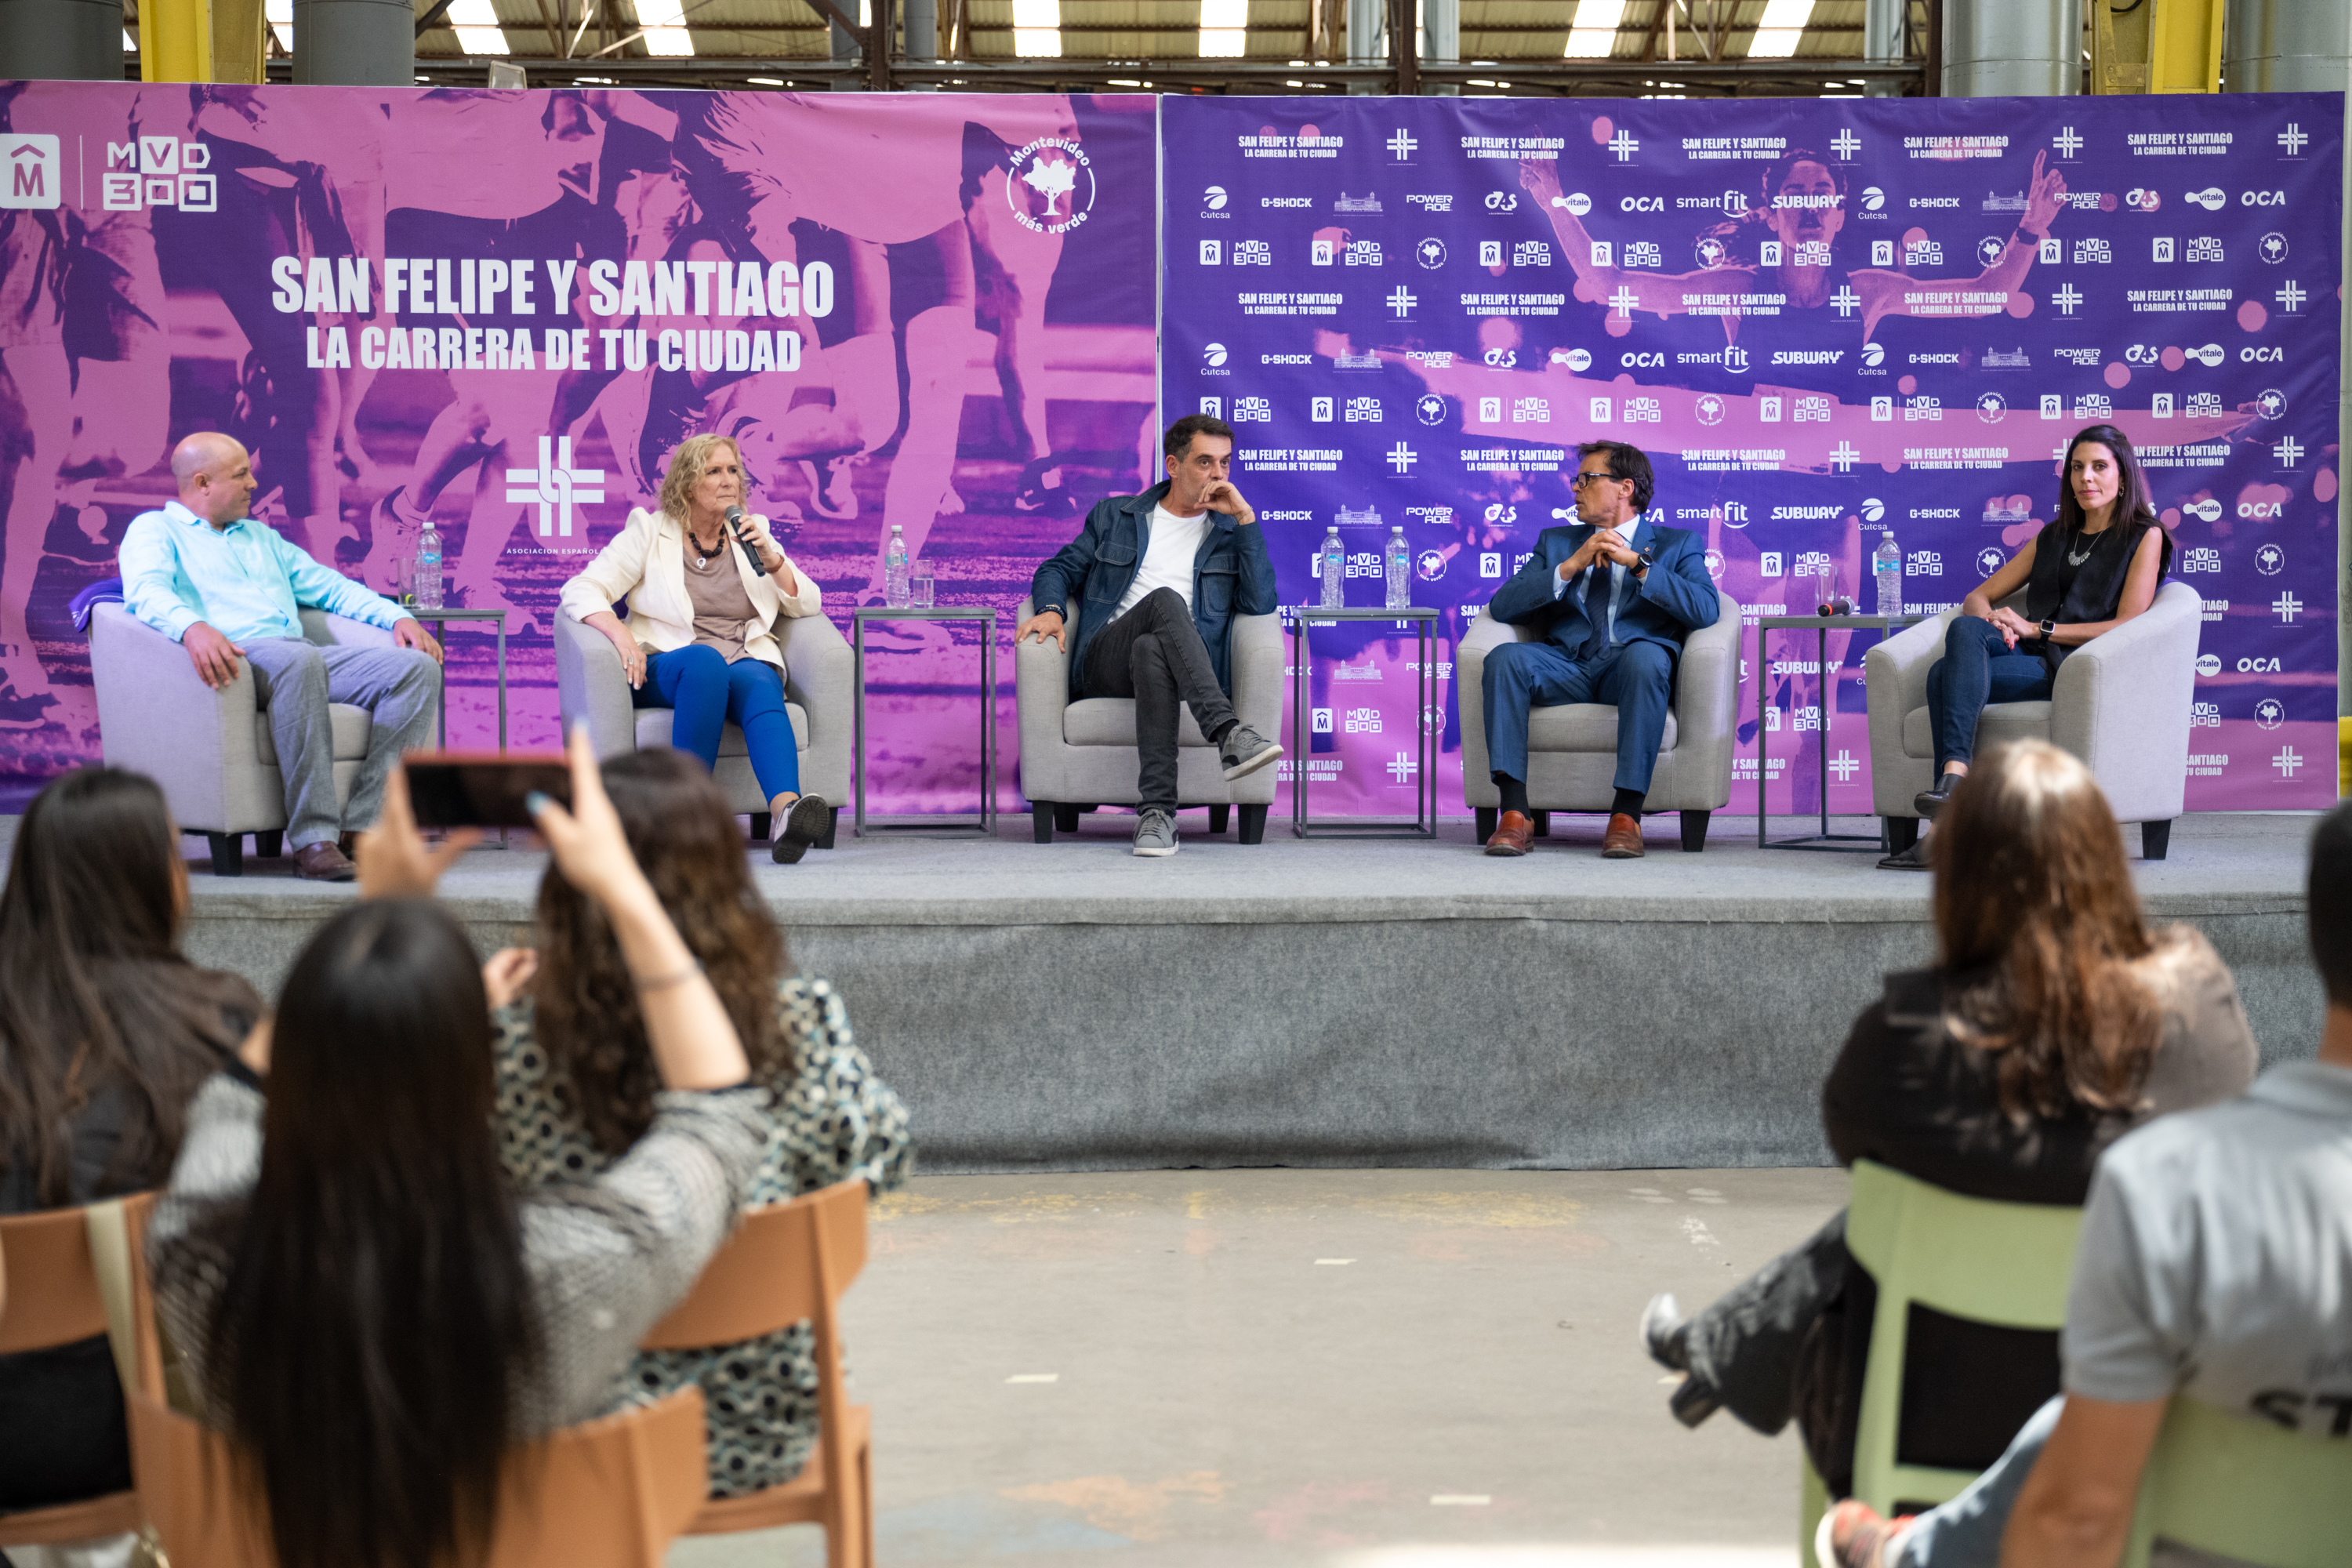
(1826,321)
(936,311)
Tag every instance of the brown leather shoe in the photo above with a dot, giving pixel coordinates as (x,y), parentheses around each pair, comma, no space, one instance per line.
(1624,840)
(1512,834)
(323,862)
(349,842)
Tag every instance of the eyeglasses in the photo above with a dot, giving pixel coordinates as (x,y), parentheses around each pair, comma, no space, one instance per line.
(1577,481)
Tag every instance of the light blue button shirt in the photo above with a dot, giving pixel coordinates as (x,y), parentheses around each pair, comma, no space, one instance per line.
(243,581)
(1619,574)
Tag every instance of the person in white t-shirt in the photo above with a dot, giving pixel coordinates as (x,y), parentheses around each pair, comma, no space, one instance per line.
(1160,578)
(2215,1262)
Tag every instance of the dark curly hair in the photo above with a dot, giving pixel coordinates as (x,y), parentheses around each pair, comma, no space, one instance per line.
(682,831)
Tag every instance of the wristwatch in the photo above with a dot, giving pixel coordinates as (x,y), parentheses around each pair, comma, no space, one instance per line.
(1644,560)
(2048,627)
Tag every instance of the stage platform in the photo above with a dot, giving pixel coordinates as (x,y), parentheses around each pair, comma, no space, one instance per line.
(1360,1003)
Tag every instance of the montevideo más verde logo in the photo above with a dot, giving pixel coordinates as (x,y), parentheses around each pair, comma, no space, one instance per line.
(1050,186)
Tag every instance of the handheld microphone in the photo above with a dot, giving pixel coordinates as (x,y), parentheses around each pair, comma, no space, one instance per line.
(735,527)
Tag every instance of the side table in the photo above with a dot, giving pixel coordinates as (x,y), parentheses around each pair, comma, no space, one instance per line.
(1424,794)
(438,619)
(1846,843)
(986,617)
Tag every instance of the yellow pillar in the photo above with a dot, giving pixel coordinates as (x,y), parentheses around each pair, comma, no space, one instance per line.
(201,40)
(2157,45)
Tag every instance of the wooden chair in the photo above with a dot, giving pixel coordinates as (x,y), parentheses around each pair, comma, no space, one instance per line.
(785,1263)
(604,1494)
(2224,1483)
(56,1301)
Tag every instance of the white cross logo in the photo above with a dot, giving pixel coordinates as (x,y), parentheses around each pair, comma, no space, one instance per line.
(1403,458)
(555,485)
(1404,767)
(2293,138)
(1844,766)
(1400,301)
(2288,607)
(2291,295)
(2066,298)
(2287,761)
(1624,144)
(1623,301)
(1402,144)
(2068,141)
(1843,457)
(1846,300)
(1846,143)
(2287,451)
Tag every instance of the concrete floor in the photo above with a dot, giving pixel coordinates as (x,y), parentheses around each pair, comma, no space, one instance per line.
(1375,1369)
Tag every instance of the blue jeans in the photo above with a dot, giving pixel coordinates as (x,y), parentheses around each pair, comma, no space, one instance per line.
(1966,1532)
(708,692)
(1637,678)
(1977,668)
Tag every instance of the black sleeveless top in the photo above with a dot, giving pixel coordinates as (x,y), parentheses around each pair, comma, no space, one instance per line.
(2076,593)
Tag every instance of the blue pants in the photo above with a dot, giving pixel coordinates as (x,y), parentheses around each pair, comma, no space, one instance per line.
(1638,677)
(707,691)
(1977,668)
(1966,1532)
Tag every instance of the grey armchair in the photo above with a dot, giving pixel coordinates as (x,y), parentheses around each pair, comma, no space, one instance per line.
(2121,704)
(1573,748)
(819,694)
(209,750)
(1078,755)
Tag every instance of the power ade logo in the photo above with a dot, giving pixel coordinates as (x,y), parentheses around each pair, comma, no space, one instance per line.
(34,179)
(159,172)
(1050,186)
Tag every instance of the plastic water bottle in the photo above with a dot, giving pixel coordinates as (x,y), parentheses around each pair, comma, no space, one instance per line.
(428,569)
(1886,565)
(1335,570)
(1400,572)
(895,590)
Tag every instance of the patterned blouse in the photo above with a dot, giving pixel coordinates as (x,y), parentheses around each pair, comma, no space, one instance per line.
(831,1118)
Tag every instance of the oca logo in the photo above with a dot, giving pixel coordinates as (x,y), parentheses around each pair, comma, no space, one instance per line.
(2253,510)
(2261,198)
(2209,665)
(2258,667)
(2258,355)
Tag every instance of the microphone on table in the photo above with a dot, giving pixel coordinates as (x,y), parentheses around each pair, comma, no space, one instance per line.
(735,527)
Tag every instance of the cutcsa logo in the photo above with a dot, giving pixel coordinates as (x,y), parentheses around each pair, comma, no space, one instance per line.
(1214,198)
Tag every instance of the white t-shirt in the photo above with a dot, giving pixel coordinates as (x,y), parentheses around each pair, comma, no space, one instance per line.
(1168,560)
(2216,1259)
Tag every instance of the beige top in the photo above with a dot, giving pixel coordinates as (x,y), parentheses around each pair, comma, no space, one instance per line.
(722,606)
(646,561)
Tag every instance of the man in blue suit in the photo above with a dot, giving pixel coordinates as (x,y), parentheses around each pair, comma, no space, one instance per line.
(1160,577)
(1614,596)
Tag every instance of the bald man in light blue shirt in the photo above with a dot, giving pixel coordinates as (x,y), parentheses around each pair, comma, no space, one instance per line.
(225,587)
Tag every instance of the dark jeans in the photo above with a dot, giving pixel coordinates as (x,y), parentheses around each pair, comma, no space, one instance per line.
(1154,654)
(1977,668)
(1746,1345)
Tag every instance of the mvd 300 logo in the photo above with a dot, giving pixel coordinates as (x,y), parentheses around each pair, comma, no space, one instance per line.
(1050,186)
(159,172)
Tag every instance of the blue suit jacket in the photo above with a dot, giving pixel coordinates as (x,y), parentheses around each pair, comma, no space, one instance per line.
(1232,575)
(1675,599)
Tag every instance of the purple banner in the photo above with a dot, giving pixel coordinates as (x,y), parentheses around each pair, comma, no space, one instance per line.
(1827,321)
(503,310)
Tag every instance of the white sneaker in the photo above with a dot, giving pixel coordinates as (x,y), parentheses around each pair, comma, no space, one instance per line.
(1155,832)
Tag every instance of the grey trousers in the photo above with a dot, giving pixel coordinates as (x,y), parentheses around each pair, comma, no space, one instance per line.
(295,680)
(1966,1532)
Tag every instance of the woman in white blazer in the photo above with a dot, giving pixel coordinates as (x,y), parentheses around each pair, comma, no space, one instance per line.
(698,637)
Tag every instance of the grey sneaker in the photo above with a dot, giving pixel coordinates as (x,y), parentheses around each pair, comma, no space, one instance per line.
(1155,832)
(1245,750)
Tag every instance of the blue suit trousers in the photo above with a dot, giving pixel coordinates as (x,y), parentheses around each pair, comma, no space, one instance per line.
(1636,677)
(707,691)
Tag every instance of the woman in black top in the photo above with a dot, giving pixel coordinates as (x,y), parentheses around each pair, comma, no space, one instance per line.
(2088,573)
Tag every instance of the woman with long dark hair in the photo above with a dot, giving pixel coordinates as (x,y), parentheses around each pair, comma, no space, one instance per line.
(365,1304)
(2053,1021)
(2096,567)
(576,1081)
(106,1033)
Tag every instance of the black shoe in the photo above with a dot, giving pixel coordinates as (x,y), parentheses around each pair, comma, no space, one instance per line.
(1912,859)
(802,826)
(1694,1402)
(1930,801)
(1663,1333)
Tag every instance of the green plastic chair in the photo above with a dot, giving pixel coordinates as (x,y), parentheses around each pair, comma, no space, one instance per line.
(2245,1488)
(2008,1264)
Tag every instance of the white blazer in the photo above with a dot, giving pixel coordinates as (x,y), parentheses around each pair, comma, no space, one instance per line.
(647,562)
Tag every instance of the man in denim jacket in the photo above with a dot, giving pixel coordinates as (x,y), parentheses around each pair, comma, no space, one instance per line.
(1160,577)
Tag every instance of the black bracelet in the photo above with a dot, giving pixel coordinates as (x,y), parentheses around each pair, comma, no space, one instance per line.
(2024,235)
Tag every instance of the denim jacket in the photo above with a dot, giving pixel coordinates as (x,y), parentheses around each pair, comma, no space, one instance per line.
(1232,575)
